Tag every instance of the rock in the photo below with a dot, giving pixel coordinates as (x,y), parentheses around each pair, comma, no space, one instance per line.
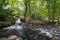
(19,39)
(53,38)
(4,39)
(12,37)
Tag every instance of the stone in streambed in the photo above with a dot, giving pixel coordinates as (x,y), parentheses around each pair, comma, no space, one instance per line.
(19,39)
(4,39)
(12,37)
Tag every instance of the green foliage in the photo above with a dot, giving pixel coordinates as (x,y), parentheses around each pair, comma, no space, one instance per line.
(4,13)
(38,7)
(6,17)
(35,8)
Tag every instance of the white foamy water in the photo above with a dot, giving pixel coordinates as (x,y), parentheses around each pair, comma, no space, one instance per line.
(16,26)
(18,20)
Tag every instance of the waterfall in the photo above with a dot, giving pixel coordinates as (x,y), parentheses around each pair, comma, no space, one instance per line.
(18,21)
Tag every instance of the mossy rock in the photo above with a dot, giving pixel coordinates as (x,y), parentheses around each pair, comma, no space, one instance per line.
(4,24)
(4,39)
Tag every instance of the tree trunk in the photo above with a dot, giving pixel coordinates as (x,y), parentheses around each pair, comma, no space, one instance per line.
(29,9)
(48,6)
(53,10)
(25,10)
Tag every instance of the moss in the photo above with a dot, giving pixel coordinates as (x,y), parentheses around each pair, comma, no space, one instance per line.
(4,24)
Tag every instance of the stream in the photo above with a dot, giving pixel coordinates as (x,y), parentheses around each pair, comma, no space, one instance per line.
(31,32)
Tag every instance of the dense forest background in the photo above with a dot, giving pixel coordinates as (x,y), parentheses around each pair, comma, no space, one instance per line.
(36,9)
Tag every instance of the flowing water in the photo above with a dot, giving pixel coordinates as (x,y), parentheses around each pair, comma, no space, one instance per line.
(16,29)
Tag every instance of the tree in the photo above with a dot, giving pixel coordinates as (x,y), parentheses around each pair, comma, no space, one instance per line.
(5,13)
(25,2)
(53,10)
(48,7)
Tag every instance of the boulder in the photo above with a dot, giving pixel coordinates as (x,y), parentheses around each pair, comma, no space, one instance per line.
(4,39)
(12,37)
(19,39)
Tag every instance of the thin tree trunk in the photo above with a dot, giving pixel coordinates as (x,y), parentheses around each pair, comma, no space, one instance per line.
(25,10)
(53,10)
(29,10)
(48,6)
